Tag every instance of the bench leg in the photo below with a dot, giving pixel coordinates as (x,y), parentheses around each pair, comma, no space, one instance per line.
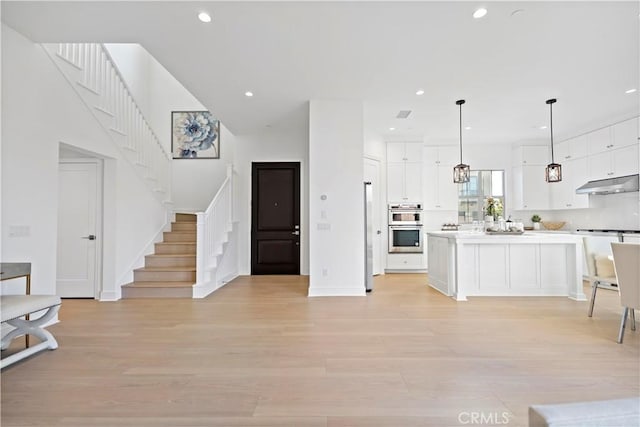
(30,327)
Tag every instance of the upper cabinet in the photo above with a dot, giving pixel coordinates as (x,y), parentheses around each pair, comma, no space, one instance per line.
(440,192)
(442,155)
(599,141)
(624,133)
(613,151)
(404,172)
(614,163)
(574,148)
(531,155)
(530,190)
(398,152)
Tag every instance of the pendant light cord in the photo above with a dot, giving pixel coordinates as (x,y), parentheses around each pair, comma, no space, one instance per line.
(460,133)
(551,102)
(551,127)
(460,103)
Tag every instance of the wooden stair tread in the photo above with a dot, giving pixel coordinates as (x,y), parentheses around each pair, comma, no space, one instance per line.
(159,285)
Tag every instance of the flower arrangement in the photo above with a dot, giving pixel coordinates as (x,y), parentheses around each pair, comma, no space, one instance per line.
(493,207)
(536,218)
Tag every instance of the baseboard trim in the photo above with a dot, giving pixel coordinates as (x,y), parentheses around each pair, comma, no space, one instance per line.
(336,292)
(203,290)
(110,296)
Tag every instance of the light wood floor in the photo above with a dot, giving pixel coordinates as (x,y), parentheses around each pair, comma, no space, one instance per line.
(260,353)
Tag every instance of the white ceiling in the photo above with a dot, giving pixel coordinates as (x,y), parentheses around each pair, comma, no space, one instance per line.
(585,54)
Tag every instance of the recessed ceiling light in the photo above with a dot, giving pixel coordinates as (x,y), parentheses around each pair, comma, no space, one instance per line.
(543,127)
(630,90)
(467,128)
(420,92)
(392,129)
(517,12)
(204,17)
(248,94)
(479,13)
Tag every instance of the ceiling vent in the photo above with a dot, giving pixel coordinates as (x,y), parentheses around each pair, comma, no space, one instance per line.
(403,114)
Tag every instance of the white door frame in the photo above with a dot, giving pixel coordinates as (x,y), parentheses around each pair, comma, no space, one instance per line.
(98,284)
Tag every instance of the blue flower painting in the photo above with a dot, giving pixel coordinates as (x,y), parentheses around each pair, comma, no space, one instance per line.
(195,135)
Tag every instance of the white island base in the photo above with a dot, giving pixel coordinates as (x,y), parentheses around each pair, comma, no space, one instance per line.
(463,264)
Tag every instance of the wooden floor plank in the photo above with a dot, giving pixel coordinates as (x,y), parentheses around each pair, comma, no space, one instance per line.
(258,352)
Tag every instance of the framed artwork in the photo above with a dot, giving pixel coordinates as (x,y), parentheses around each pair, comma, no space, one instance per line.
(195,135)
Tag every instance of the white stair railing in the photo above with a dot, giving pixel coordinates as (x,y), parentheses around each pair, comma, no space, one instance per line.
(92,73)
(213,229)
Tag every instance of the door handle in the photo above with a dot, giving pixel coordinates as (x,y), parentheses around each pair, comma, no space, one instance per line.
(378,232)
(90,237)
(296,233)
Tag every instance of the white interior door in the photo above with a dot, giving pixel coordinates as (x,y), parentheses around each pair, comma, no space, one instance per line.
(78,203)
(372,174)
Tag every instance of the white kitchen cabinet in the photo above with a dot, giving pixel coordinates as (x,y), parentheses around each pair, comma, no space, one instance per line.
(404,172)
(440,192)
(530,190)
(438,264)
(614,163)
(404,152)
(570,149)
(405,262)
(404,182)
(531,155)
(575,172)
(441,156)
(599,141)
(463,264)
(624,134)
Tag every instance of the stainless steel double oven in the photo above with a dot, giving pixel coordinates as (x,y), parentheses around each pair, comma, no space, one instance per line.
(405,228)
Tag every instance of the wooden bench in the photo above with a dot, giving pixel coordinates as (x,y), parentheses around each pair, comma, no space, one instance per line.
(13,308)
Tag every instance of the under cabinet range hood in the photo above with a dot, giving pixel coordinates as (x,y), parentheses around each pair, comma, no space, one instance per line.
(623,184)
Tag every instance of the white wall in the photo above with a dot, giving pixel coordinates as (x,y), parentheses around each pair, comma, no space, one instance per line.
(158,93)
(336,200)
(269,146)
(39,112)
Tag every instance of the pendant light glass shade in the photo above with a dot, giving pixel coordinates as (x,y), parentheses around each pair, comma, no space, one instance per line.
(461,172)
(553,171)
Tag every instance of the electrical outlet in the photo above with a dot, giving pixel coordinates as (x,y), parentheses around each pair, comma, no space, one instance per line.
(325,272)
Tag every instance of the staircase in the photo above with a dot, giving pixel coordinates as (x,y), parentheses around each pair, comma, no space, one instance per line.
(171,271)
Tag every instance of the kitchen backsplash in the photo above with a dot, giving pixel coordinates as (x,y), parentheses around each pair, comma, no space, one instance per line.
(616,211)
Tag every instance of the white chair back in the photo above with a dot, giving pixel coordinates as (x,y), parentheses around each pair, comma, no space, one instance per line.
(626,259)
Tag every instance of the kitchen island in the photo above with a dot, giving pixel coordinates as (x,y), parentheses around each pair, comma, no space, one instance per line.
(463,264)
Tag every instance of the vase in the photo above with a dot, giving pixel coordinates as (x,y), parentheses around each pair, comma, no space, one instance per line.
(536,226)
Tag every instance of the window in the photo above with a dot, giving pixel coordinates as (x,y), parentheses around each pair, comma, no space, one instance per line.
(472,196)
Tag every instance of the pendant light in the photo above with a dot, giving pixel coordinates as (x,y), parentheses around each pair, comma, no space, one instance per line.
(553,171)
(461,172)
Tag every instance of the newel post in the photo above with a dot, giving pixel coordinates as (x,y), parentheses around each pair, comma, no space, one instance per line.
(200,244)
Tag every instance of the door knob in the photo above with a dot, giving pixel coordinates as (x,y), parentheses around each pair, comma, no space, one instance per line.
(90,237)
(378,232)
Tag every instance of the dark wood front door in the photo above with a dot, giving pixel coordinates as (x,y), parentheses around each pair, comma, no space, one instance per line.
(275,218)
